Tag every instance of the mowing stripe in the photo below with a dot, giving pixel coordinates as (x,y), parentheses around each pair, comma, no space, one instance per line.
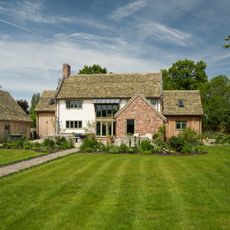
(48,191)
(109,199)
(176,194)
(121,213)
(81,205)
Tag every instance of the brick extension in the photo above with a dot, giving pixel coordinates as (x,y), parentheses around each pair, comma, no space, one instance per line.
(147,119)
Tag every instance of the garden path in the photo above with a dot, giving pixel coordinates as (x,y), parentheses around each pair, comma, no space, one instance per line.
(16,167)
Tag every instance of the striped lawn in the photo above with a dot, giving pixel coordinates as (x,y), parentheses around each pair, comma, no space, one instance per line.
(105,191)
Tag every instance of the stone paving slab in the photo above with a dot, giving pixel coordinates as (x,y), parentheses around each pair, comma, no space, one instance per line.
(13,168)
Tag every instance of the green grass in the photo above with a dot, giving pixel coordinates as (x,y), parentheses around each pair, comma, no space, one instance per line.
(8,156)
(105,191)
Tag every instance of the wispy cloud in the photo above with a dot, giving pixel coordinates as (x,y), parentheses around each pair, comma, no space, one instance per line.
(127,10)
(35,12)
(15,25)
(164,33)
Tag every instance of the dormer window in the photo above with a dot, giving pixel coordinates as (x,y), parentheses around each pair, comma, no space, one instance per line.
(180,103)
(153,101)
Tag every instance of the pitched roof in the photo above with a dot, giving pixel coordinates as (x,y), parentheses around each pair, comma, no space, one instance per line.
(138,94)
(43,104)
(10,110)
(110,86)
(191,98)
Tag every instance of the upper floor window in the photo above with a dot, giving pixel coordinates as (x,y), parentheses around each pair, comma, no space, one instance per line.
(74,104)
(106,110)
(181,124)
(153,101)
(180,103)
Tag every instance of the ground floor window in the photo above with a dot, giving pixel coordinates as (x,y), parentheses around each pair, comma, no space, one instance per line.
(73,124)
(130,126)
(181,124)
(105,128)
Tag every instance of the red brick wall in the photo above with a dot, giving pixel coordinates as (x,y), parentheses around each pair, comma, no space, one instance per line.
(146,119)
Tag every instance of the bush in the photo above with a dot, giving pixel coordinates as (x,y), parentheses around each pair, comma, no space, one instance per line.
(189,135)
(222,138)
(146,145)
(93,145)
(16,144)
(114,149)
(48,143)
(177,143)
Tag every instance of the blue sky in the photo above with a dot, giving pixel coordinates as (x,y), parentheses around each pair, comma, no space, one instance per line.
(37,37)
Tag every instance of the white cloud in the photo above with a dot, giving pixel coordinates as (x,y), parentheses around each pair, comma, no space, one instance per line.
(164,33)
(127,10)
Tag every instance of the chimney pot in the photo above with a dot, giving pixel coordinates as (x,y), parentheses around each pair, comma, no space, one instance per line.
(66,70)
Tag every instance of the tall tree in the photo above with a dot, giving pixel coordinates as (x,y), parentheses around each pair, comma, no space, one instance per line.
(34,101)
(185,74)
(24,105)
(94,69)
(227,39)
(215,96)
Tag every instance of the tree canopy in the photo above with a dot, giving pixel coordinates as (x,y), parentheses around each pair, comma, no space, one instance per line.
(94,69)
(184,74)
(24,105)
(215,96)
(34,101)
(227,39)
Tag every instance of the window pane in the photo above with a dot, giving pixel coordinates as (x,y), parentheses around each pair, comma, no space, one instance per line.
(115,109)
(109,128)
(98,128)
(109,110)
(67,124)
(79,124)
(104,109)
(183,125)
(71,124)
(153,101)
(98,110)
(178,125)
(103,129)
(130,126)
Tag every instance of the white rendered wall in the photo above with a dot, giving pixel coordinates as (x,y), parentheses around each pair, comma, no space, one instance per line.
(86,114)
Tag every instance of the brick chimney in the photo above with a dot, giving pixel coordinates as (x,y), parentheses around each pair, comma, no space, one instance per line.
(66,70)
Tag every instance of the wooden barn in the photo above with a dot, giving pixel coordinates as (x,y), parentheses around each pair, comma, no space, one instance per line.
(13,120)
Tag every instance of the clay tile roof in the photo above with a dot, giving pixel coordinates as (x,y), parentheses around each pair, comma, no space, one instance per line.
(110,86)
(191,99)
(43,104)
(10,110)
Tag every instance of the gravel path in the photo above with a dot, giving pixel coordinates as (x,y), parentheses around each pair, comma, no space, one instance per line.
(13,168)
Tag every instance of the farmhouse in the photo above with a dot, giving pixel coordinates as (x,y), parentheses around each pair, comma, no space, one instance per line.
(116,104)
(13,120)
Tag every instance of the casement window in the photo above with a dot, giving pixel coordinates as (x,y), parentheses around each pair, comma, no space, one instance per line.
(130,126)
(106,110)
(74,104)
(180,103)
(105,128)
(73,124)
(153,101)
(181,125)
